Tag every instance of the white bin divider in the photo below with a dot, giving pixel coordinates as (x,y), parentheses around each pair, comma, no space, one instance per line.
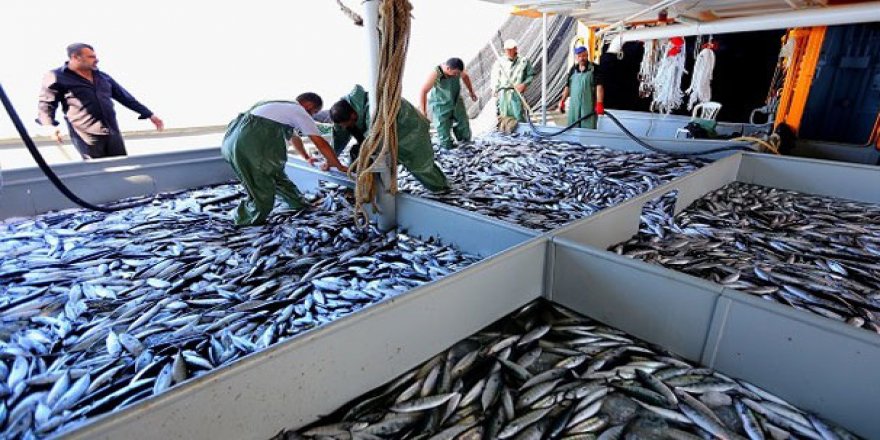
(817,364)
(307,177)
(27,192)
(295,382)
(619,223)
(813,176)
(655,304)
(471,232)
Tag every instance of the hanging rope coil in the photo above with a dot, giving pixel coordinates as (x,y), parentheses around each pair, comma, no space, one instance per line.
(379,149)
(700,89)
(648,68)
(667,81)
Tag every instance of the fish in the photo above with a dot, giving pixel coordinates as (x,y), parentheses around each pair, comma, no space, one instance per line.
(569,404)
(544,184)
(810,252)
(129,304)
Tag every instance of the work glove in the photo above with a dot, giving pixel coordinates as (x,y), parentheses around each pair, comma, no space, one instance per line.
(600,109)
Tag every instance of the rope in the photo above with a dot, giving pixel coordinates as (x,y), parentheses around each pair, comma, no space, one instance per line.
(648,68)
(379,149)
(771,146)
(700,89)
(667,82)
(358,21)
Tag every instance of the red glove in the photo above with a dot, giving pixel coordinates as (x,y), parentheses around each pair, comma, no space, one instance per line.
(674,51)
(600,109)
(562,106)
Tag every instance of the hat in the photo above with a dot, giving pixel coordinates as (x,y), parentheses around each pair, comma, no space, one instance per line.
(579,50)
(510,43)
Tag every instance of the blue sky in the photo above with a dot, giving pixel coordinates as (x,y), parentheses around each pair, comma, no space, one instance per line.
(200,63)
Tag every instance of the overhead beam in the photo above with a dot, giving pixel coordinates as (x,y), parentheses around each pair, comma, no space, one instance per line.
(835,15)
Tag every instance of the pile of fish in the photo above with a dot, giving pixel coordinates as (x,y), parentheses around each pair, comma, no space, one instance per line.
(542,184)
(814,253)
(545,372)
(99,311)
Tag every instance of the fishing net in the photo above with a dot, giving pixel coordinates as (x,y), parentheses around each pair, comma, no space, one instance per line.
(527,32)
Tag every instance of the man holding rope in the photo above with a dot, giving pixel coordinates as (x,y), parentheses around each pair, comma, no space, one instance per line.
(511,75)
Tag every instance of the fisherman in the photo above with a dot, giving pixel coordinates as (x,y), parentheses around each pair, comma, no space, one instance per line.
(509,76)
(350,117)
(254,145)
(447,106)
(585,88)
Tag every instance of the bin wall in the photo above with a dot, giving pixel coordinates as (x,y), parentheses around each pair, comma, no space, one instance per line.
(296,382)
(27,192)
(668,309)
(820,365)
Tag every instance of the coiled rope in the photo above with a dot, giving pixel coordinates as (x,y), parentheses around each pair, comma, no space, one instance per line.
(667,82)
(379,149)
(700,89)
(648,68)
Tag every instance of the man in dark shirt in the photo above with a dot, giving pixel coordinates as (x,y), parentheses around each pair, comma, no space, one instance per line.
(86,95)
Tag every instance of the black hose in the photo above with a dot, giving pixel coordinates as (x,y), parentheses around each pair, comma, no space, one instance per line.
(731,147)
(32,148)
(574,124)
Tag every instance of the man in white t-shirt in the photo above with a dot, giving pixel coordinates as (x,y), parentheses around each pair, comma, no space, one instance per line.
(255,145)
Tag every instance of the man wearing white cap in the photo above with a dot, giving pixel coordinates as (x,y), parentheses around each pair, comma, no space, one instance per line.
(509,76)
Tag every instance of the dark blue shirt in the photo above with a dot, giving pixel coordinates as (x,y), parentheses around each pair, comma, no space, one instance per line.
(87,105)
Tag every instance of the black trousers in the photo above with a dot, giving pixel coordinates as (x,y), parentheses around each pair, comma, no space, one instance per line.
(91,146)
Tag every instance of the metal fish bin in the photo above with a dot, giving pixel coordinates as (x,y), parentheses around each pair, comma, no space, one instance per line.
(544,371)
(43,363)
(821,366)
(816,362)
(294,385)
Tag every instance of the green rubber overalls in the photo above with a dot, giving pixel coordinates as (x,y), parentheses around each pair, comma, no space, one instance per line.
(447,110)
(256,148)
(508,74)
(582,89)
(414,150)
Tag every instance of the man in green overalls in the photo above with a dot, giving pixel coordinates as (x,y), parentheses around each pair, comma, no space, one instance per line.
(509,75)
(585,89)
(255,145)
(351,118)
(447,107)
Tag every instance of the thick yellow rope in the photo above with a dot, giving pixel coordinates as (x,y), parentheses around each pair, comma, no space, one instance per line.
(380,146)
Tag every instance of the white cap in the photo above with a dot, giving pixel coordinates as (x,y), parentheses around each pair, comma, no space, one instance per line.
(510,43)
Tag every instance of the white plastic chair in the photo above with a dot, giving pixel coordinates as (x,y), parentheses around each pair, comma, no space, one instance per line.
(704,110)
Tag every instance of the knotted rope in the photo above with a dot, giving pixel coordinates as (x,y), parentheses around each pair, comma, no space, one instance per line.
(379,149)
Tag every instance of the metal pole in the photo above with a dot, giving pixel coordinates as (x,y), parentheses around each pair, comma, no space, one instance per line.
(371,23)
(386,216)
(544,68)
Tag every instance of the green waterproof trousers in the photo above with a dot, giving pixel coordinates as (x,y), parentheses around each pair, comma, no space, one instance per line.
(448,111)
(415,151)
(257,150)
(510,105)
(582,86)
